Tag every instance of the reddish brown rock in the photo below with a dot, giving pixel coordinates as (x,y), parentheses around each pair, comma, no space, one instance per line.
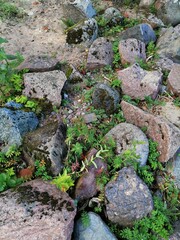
(174,80)
(139,83)
(158,129)
(131,49)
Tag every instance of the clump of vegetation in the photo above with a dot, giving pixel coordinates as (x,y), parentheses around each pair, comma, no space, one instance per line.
(9,10)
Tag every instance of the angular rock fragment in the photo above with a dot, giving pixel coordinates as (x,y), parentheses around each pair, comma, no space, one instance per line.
(173,80)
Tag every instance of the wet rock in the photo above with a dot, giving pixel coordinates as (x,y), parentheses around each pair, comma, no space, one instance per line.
(128,198)
(173,81)
(142,32)
(165,64)
(86,31)
(14,125)
(39,64)
(46,85)
(168,11)
(86,7)
(46,143)
(168,44)
(146,3)
(36,210)
(113,16)
(100,54)
(131,50)
(165,133)
(96,229)
(139,83)
(104,97)
(128,136)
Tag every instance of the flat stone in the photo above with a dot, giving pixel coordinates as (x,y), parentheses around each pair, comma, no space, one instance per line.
(46,143)
(131,50)
(45,85)
(139,83)
(100,54)
(128,136)
(128,198)
(96,229)
(173,81)
(36,210)
(158,129)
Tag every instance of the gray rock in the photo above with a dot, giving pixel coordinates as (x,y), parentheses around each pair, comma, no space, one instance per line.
(173,81)
(165,64)
(89,118)
(176,172)
(154,21)
(142,32)
(113,16)
(86,31)
(146,3)
(97,229)
(168,44)
(36,210)
(131,50)
(176,234)
(168,11)
(14,125)
(46,143)
(45,85)
(139,83)
(72,74)
(104,97)
(86,7)
(128,136)
(100,54)
(128,198)
(13,105)
(39,64)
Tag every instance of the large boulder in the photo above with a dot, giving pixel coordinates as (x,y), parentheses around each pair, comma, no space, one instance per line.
(100,54)
(128,198)
(36,210)
(14,124)
(168,44)
(173,81)
(128,136)
(46,143)
(139,83)
(160,130)
(46,85)
(96,229)
(142,32)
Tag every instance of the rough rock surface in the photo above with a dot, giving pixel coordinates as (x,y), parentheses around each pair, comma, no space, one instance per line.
(104,97)
(86,7)
(154,21)
(139,83)
(165,64)
(86,31)
(128,198)
(14,125)
(146,3)
(131,50)
(45,85)
(176,169)
(168,44)
(97,229)
(142,32)
(173,80)
(168,11)
(113,16)
(158,129)
(46,143)
(126,136)
(36,210)
(100,54)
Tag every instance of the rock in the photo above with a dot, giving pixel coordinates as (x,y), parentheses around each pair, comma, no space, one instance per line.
(85,31)
(165,64)
(176,234)
(131,50)
(36,210)
(96,229)
(46,143)
(14,125)
(146,3)
(13,105)
(113,16)
(139,83)
(173,81)
(72,12)
(100,54)
(104,97)
(154,21)
(128,198)
(45,85)
(128,136)
(168,11)
(89,118)
(175,168)
(168,44)
(142,32)
(39,64)
(72,74)
(86,7)
(158,129)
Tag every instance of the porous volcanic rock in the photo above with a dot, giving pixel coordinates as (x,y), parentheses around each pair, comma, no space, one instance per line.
(173,81)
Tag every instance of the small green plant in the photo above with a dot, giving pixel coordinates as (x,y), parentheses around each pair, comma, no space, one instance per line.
(153,102)
(85,219)
(152,51)
(152,9)
(176,102)
(8,10)
(128,99)
(41,170)
(68,22)
(117,58)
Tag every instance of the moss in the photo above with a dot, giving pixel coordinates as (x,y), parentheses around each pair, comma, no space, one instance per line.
(74,36)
